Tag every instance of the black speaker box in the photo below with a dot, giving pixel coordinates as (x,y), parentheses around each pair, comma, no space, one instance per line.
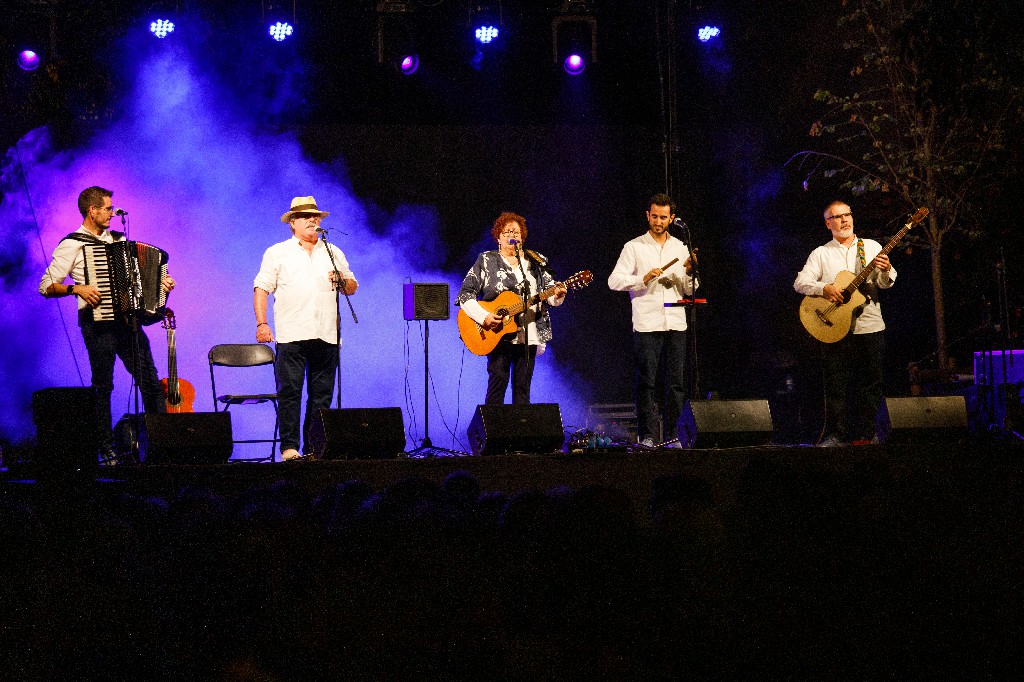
(187,438)
(358,433)
(500,429)
(725,423)
(67,430)
(426,301)
(934,419)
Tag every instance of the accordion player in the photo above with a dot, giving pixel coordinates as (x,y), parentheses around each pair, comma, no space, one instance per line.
(128,275)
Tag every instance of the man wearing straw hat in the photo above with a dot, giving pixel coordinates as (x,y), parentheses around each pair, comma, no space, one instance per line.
(300,274)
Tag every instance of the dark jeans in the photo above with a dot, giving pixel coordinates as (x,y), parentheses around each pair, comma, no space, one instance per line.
(854,385)
(667,349)
(106,341)
(506,357)
(316,361)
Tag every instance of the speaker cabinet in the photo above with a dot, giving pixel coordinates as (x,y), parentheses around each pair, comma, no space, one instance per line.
(186,438)
(426,301)
(358,433)
(67,430)
(500,429)
(725,423)
(934,419)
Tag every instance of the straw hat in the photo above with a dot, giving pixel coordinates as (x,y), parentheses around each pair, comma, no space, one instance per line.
(302,206)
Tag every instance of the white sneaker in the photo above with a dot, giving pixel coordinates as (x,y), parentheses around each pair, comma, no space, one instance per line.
(647,443)
(290,454)
(831,442)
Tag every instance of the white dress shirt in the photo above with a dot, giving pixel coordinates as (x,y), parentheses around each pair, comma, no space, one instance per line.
(304,298)
(69,260)
(826,261)
(641,255)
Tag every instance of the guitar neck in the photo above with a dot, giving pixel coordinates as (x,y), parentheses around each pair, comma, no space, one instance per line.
(172,361)
(863,275)
(535,299)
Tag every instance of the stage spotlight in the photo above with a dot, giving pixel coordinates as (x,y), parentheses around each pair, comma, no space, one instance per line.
(279,18)
(28,60)
(574,64)
(408,64)
(161,28)
(574,37)
(708,33)
(485,21)
(281,30)
(396,43)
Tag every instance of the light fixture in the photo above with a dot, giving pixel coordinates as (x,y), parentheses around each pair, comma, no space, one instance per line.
(396,39)
(28,60)
(279,19)
(485,21)
(574,37)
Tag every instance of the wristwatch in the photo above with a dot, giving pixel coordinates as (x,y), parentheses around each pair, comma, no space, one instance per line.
(71,290)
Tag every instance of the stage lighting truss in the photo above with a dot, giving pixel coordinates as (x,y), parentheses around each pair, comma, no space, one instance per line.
(574,37)
(396,37)
(279,18)
(486,22)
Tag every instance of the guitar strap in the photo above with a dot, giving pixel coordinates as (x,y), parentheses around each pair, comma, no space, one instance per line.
(860,255)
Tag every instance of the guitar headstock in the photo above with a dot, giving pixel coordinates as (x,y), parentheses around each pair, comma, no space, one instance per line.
(168,322)
(579,280)
(918,216)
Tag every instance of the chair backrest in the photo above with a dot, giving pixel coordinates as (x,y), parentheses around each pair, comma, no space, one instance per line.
(241,355)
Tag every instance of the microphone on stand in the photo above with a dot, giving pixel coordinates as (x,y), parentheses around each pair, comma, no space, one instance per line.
(678,222)
(321,230)
(120,212)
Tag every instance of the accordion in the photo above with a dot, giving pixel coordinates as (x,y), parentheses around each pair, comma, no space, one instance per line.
(129,276)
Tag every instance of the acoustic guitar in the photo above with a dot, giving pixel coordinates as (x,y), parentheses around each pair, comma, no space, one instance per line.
(179,394)
(830,322)
(507,305)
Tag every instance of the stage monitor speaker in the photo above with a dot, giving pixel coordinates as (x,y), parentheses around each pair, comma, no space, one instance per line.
(501,429)
(186,438)
(934,419)
(358,433)
(426,301)
(67,430)
(725,423)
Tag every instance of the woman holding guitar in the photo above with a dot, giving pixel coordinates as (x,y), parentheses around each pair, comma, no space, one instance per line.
(510,268)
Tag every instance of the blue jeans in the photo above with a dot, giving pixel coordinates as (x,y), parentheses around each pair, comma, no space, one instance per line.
(667,349)
(105,342)
(315,361)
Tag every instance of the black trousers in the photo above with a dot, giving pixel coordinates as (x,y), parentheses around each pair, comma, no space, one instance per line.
(316,361)
(106,341)
(854,385)
(505,358)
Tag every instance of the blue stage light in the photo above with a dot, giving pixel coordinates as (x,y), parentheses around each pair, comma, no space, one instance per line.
(706,33)
(575,64)
(28,60)
(281,30)
(486,33)
(161,27)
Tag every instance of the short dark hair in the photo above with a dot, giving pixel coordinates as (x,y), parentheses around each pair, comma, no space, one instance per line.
(662,200)
(92,196)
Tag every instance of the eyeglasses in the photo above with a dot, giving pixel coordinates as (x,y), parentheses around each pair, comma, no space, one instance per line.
(108,209)
(840,216)
(511,233)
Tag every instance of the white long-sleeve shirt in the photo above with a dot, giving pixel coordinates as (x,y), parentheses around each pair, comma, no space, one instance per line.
(641,255)
(828,260)
(304,298)
(69,260)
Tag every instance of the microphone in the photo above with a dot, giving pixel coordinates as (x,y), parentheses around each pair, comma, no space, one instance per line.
(678,222)
(321,230)
(120,211)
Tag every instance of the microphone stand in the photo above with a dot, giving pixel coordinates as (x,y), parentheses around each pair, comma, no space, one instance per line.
(340,287)
(526,322)
(135,427)
(690,305)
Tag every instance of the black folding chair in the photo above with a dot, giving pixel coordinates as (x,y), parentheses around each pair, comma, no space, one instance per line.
(245,355)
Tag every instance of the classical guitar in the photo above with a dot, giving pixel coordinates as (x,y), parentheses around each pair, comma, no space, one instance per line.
(179,394)
(830,322)
(506,306)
